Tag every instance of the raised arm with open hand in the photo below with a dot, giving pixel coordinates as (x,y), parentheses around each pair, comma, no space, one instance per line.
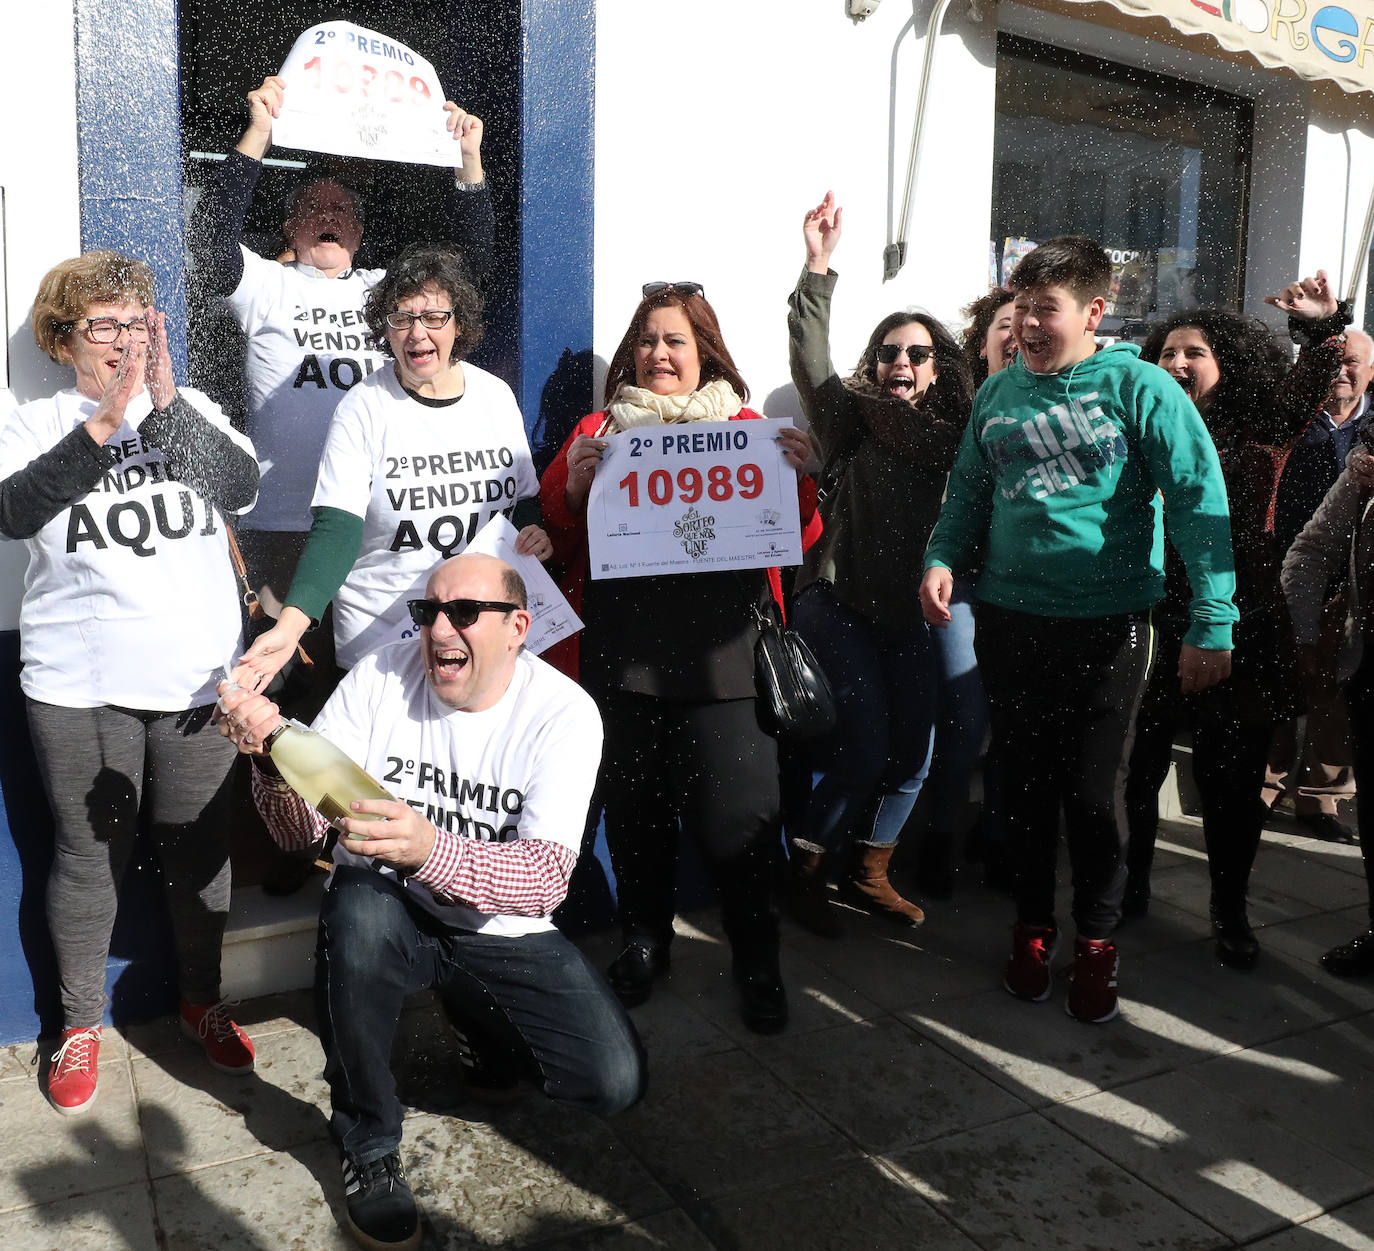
(821,228)
(1311,299)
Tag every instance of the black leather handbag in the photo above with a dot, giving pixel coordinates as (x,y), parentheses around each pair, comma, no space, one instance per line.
(795,700)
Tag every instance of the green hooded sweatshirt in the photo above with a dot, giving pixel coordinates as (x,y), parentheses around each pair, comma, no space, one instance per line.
(1056,490)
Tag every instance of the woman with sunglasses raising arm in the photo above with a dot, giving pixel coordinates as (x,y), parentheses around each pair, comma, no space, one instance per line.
(418,458)
(669,660)
(887,438)
(118,486)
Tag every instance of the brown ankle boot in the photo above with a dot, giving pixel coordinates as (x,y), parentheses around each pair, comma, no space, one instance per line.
(807,893)
(874,890)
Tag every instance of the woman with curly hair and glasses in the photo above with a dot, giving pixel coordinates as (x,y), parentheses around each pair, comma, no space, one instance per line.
(887,438)
(119,486)
(1238,374)
(669,660)
(418,458)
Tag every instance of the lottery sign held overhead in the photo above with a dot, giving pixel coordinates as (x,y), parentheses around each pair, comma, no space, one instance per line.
(353,92)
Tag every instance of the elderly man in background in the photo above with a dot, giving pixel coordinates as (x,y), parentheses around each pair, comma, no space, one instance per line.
(1316,777)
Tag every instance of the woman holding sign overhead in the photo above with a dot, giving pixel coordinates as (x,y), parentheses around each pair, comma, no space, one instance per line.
(669,659)
(118,486)
(418,457)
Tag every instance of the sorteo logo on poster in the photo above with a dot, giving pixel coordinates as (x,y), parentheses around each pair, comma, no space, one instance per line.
(353,92)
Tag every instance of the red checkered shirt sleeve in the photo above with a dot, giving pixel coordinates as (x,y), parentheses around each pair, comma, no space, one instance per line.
(293,823)
(527,878)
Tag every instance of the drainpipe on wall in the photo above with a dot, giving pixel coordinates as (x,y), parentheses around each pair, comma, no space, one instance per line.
(894,255)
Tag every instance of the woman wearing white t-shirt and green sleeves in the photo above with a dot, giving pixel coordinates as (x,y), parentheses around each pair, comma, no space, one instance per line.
(118,486)
(418,458)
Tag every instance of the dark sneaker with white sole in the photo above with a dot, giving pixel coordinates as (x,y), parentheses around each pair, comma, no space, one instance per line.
(382,1215)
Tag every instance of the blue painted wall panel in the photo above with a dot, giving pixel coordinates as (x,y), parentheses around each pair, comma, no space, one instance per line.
(129,140)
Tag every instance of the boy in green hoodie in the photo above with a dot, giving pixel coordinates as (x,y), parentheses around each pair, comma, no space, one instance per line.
(1056,490)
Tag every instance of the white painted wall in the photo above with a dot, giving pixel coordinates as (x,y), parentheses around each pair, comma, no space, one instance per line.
(1338,179)
(718,124)
(38,172)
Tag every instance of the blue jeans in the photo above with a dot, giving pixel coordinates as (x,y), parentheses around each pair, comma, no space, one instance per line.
(874,761)
(961,714)
(533,999)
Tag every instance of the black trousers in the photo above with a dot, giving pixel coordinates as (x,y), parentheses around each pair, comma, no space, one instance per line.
(1063,693)
(708,770)
(1230,749)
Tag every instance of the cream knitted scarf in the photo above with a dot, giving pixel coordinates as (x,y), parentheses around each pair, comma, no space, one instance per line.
(634,406)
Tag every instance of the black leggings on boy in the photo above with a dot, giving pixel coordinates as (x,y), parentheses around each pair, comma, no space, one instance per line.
(1063,693)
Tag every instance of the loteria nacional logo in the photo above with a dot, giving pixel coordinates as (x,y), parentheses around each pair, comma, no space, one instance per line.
(695,532)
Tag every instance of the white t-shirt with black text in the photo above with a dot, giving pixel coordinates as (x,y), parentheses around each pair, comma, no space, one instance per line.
(129,597)
(424,480)
(307,346)
(524,768)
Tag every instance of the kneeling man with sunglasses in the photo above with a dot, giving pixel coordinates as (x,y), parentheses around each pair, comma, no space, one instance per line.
(492,755)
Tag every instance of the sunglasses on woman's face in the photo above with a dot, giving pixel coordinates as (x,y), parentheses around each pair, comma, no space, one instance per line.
(461,613)
(916,353)
(682,288)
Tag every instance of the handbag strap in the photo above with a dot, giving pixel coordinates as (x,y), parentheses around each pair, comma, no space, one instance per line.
(250,596)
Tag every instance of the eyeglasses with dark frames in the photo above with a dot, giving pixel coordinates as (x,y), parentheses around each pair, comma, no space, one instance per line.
(107,329)
(461,613)
(916,353)
(681,288)
(430,319)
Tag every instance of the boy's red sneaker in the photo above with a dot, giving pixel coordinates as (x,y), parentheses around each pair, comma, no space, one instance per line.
(73,1078)
(1028,971)
(227,1047)
(1092,990)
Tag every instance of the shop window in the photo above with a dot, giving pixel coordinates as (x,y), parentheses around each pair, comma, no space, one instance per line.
(1155,168)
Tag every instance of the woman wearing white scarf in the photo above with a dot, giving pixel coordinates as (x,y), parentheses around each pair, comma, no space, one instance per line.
(670,662)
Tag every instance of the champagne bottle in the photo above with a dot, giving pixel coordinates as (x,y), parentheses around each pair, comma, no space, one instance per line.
(320,773)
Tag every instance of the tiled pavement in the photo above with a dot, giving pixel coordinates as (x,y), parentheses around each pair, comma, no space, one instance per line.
(911,1104)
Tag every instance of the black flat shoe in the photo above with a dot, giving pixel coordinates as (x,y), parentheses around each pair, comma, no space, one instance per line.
(762,998)
(1237,947)
(1323,825)
(632,972)
(1352,959)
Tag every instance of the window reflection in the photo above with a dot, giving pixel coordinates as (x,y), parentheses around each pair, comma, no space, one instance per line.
(1155,168)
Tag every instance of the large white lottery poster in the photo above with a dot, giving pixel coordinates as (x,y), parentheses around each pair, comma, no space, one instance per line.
(695,497)
(353,92)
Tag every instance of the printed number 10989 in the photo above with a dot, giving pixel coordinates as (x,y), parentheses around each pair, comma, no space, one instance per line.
(344,79)
(690,484)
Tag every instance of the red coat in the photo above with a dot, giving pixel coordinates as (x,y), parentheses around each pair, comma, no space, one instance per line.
(568,532)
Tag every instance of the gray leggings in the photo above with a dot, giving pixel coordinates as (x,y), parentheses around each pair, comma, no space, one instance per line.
(106,771)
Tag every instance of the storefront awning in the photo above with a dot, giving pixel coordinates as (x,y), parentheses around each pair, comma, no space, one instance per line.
(1315,41)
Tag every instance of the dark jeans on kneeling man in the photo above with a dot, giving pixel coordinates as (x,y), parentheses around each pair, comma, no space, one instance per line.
(535,995)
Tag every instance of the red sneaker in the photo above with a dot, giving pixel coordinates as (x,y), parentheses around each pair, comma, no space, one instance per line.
(227,1047)
(73,1078)
(1092,990)
(1028,971)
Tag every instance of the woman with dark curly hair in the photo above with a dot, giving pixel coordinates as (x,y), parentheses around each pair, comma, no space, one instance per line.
(989,345)
(887,438)
(1237,372)
(418,458)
